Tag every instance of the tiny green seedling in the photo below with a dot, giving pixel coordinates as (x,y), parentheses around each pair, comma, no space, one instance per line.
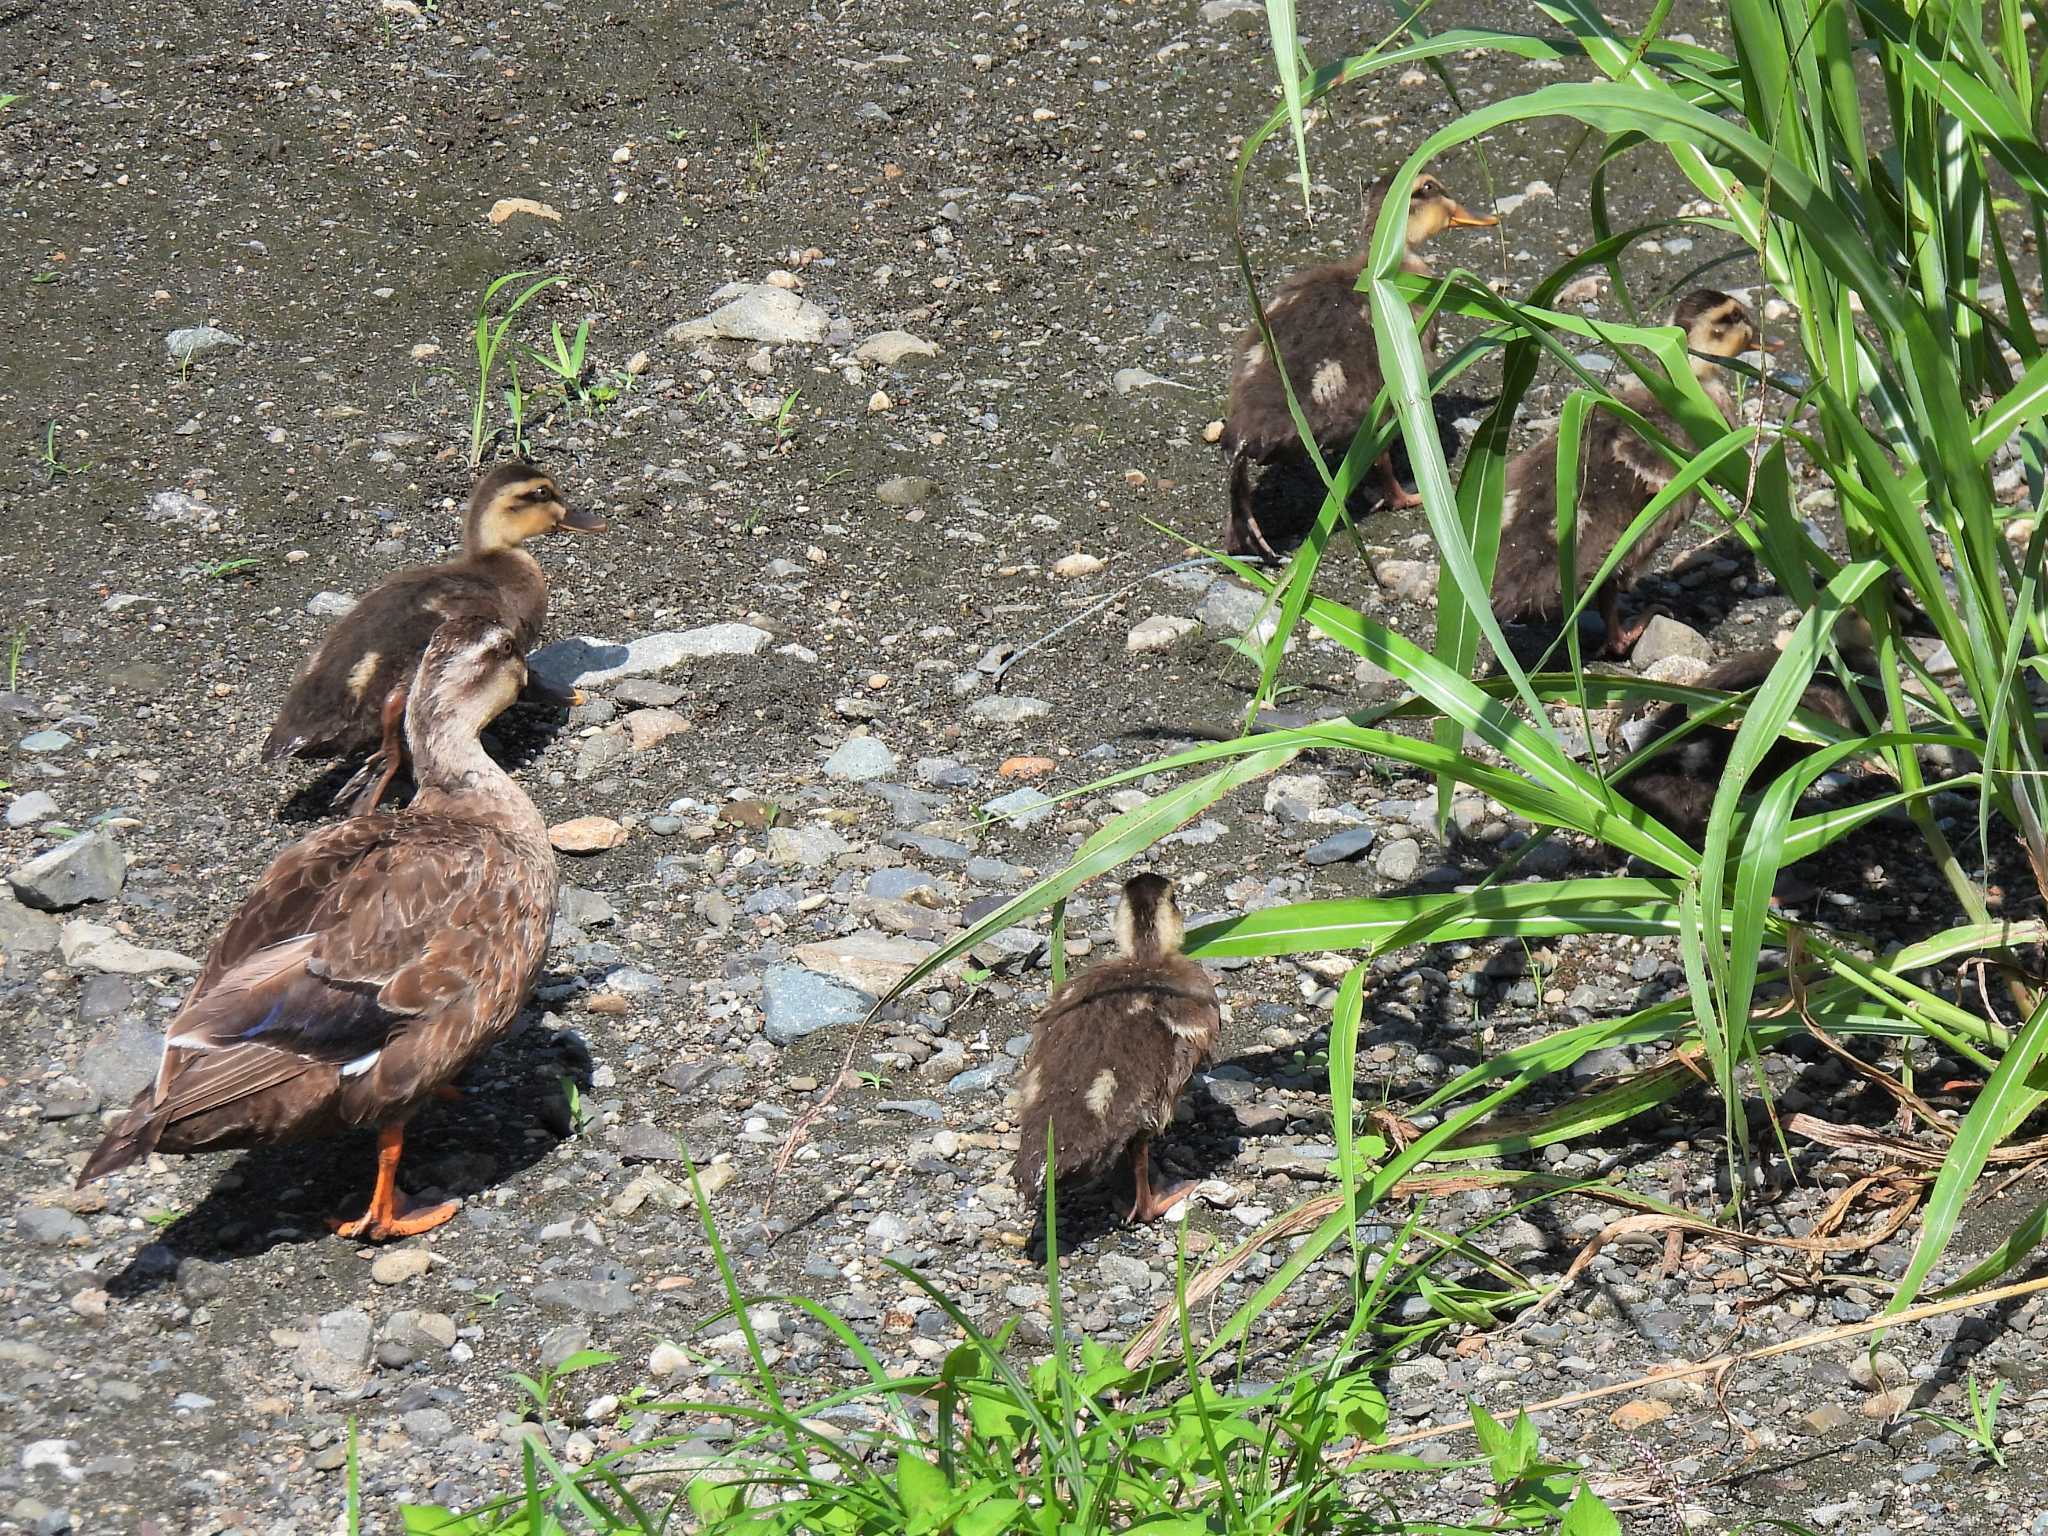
(1982,1430)
(489,330)
(52,461)
(541,1389)
(783,430)
(227,568)
(567,363)
(15,648)
(43,277)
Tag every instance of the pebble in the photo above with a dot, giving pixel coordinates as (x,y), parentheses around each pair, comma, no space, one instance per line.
(399,1265)
(586,834)
(757,312)
(796,1003)
(1664,637)
(24,932)
(905,490)
(96,947)
(335,1355)
(648,728)
(26,810)
(1073,567)
(860,759)
(1161,632)
(45,741)
(885,349)
(809,847)
(1229,607)
(88,867)
(188,342)
(584,661)
(1349,844)
(1400,861)
(1007,709)
(1021,807)
(607,1293)
(1411,581)
(868,962)
(331,605)
(1026,768)
(48,1226)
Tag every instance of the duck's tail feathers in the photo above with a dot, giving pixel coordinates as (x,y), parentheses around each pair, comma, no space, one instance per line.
(133,1139)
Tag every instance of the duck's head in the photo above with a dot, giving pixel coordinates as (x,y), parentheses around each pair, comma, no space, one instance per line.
(470,674)
(1149,924)
(1431,210)
(1715,325)
(516,502)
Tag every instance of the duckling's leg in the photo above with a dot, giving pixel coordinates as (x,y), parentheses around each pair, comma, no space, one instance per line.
(1621,638)
(390,754)
(391,1214)
(1399,497)
(1148,1204)
(1242,534)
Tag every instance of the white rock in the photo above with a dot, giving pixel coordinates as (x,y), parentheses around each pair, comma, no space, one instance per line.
(1161,632)
(96,947)
(757,312)
(886,349)
(1077,565)
(585,660)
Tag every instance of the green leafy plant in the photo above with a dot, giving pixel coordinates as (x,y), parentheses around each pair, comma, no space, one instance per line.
(540,1390)
(1982,1428)
(489,330)
(566,364)
(16,647)
(784,419)
(222,570)
(52,460)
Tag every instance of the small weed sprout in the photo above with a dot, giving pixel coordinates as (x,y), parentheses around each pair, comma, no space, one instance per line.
(1982,1429)
(490,330)
(785,431)
(52,462)
(15,648)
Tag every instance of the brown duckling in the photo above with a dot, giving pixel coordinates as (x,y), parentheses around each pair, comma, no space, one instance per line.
(1322,326)
(1113,1050)
(374,960)
(1619,474)
(1678,786)
(350,697)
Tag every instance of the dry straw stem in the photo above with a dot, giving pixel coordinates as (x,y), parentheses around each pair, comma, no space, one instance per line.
(1720,1363)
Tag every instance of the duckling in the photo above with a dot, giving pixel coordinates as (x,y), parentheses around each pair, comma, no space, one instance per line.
(1678,786)
(1619,474)
(350,697)
(1322,326)
(374,960)
(1113,1050)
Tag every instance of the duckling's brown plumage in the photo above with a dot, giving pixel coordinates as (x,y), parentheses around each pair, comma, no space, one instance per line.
(350,697)
(1678,786)
(1619,474)
(374,960)
(1113,1050)
(1322,326)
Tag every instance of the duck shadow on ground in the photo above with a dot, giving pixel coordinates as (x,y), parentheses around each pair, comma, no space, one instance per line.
(516,739)
(512,1113)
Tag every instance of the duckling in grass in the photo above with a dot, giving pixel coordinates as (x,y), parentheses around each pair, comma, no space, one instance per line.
(1678,786)
(1322,326)
(1619,475)
(1113,1050)
(374,960)
(349,699)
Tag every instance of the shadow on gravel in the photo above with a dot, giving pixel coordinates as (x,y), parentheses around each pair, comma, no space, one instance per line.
(519,737)
(513,1112)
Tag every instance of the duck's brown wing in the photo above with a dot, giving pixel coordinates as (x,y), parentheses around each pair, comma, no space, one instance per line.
(1322,328)
(414,956)
(1111,1053)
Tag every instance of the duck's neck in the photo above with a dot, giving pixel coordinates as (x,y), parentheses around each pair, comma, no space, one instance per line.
(1714,382)
(454,772)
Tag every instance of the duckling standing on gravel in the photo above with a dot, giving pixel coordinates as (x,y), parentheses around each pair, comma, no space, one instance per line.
(1619,475)
(1113,1050)
(350,697)
(1322,326)
(374,960)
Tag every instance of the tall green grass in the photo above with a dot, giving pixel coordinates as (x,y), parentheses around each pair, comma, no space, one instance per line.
(1877,166)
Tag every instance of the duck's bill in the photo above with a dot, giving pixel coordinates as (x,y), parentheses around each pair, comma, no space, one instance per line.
(1464,218)
(577,520)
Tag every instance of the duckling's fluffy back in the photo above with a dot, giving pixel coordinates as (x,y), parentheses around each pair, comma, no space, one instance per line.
(1110,1055)
(1323,328)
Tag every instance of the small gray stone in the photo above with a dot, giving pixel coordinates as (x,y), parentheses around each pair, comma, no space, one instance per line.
(981,1079)
(1400,860)
(796,1002)
(188,342)
(583,661)
(888,348)
(1409,581)
(121,1060)
(645,1143)
(905,490)
(89,867)
(26,810)
(860,758)
(924,1109)
(1021,807)
(335,1356)
(1348,844)
(607,1293)
(807,846)
(601,752)
(47,1226)
(1664,637)
(331,605)
(1229,607)
(23,932)
(1122,1269)
(1292,796)
(647,693)
(1161,632)
(888,1231)
(96,947)
(428,1426)
(1007,709)
(558,1344)
(45,741)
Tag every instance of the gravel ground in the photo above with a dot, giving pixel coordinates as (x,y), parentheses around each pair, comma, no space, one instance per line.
(993,245)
